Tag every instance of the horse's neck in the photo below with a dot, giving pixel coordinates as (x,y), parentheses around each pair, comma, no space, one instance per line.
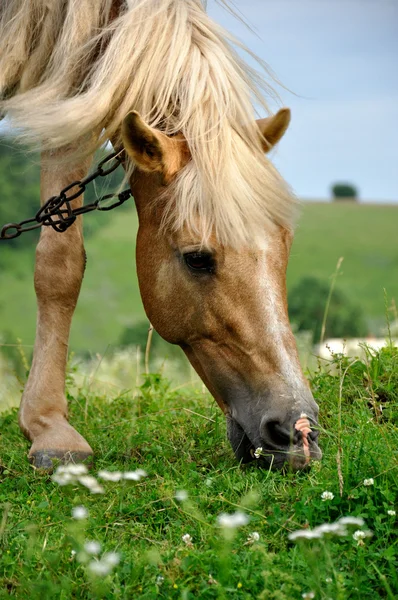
(146,189)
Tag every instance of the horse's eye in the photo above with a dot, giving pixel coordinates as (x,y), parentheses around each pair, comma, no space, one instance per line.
(199,262)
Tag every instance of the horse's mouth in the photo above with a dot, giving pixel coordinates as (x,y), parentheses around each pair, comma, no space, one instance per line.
(297,457)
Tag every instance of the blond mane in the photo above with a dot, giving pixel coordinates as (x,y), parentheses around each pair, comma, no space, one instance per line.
(71,69)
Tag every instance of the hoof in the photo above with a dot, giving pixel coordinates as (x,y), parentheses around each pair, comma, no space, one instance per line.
(46,460)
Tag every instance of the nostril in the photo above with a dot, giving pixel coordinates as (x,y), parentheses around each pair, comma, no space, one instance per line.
(313,435)
(277,436)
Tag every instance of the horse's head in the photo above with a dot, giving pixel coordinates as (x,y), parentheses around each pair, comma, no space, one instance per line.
(225,306)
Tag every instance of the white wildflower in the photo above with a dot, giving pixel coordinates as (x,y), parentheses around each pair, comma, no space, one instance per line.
(115,476)
(92,547)
(159,580)
(97,567)
(110,475)
(368,482)
(71,474)
(79,513)
(258,452)
(338,528)
(73,553)
(131,476)
(88,481)
(67,474)
(359,536)
(181,495)
(328,580)
(351,521)
(97,489)
(333,528)
(63,478)
(308,534)
(141,473)
(91,484)
(111,559)
(392,513)
(308,595)
(327,496)
(187,539)
(253,537)
(76,470)
(134,475)
(237,519)
(105,565)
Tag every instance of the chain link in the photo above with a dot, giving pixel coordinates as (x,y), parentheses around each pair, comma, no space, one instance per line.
(58,213)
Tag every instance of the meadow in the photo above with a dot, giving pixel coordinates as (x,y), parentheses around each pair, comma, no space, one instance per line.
(110,300)
(199,525)
(170,514)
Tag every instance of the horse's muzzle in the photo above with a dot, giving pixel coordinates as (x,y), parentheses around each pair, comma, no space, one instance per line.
(278,445)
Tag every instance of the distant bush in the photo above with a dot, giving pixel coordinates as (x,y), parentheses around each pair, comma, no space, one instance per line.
(137,335)
(307,301)
(344,191)
(20,189)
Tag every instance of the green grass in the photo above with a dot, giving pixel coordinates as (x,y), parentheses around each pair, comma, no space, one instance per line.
(360,233)
(180,441)
(110,298)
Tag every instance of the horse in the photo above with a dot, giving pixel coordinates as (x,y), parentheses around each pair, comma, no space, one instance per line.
(165,85)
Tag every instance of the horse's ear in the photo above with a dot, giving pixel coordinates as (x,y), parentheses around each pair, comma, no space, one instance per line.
(143,144)
(273,128)
(151,150)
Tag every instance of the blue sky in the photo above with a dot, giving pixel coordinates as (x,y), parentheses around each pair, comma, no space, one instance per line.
(340,58)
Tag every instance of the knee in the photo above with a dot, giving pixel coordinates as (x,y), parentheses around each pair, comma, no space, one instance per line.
(60,264)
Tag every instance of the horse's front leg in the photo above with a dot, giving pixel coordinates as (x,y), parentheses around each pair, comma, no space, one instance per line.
(60,262)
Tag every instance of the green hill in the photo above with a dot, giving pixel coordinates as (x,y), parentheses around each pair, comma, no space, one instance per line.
(365,235)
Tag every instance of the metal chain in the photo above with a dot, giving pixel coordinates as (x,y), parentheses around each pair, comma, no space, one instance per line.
(58,213)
